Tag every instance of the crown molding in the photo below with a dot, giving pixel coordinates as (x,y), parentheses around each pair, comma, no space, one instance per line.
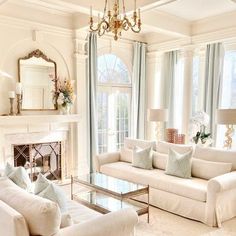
(26,24)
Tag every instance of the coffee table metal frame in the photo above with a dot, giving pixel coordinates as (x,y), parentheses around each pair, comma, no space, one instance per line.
(129,196)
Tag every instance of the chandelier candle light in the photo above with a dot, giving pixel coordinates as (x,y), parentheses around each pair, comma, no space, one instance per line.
(115,21)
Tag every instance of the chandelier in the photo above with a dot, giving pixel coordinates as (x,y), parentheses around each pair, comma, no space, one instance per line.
(116,20)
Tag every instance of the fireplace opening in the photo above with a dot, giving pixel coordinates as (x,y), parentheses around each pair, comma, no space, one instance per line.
(44,158)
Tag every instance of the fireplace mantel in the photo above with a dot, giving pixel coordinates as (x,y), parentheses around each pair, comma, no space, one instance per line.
(38,119)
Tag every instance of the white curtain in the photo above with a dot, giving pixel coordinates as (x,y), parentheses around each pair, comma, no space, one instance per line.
(138,114)
(170,61)
(92,97)
(213,82)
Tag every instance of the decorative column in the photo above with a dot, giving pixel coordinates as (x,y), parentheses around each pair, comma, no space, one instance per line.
(154,88)
(188,53)
(81,160)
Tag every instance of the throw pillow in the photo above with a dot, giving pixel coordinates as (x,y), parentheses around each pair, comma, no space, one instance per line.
(53,193)
(19,176)
(40,184)
(66,220)
(142,158)
(209,169)
(47,189)
(179,164)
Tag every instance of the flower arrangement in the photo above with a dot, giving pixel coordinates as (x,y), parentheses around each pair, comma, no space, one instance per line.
(63,96)
(199,123)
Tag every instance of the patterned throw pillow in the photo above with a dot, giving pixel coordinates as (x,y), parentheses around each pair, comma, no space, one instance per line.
(142,158)
(179,164)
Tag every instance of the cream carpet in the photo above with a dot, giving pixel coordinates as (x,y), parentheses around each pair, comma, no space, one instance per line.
(163,223)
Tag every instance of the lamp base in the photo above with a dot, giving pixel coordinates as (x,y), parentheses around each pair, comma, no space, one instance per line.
(228,135)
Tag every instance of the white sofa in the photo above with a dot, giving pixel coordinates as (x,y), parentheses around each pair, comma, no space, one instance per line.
(211,201)
(24,214)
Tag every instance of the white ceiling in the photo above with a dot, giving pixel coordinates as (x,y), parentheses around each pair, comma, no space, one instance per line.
(197,9)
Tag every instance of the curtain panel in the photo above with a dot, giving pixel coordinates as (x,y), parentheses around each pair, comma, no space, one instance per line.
(170,61)
(213,82)
(138,114)
(92,97)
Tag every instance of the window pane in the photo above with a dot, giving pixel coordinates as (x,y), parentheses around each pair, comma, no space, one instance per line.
(113,103)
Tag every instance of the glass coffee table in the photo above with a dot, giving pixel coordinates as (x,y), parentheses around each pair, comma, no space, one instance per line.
(105,194)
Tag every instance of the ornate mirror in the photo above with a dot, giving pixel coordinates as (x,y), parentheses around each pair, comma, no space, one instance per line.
(36,72)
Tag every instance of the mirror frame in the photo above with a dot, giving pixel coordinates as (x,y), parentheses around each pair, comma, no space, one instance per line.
(38,54)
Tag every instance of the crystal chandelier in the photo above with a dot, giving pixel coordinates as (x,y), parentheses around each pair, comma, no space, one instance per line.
(116,20)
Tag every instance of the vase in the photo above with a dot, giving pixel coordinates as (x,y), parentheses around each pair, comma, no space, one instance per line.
(64,110)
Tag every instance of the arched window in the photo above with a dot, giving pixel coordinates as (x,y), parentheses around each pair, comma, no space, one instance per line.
(113,102)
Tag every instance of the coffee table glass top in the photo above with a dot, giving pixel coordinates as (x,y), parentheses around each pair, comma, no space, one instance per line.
(109,183)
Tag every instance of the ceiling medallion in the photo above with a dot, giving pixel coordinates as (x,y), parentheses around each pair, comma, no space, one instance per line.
(116,20)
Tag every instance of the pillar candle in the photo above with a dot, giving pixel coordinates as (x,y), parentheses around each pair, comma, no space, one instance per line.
(11,94)
(18,88)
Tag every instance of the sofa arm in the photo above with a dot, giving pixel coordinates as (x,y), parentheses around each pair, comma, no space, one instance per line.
(222,183)
(119,223)
(12,223)
(106,158)
(215,188)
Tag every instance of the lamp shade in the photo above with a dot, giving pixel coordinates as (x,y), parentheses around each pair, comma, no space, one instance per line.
(157,115)
(226,116)
(4,75)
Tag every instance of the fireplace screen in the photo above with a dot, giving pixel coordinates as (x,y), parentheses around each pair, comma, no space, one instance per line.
(42,158)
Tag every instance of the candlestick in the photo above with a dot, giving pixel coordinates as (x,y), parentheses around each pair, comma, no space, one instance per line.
(18,88)
(19,104)
(135,6)
(139,13)
(11,94)
(11,106)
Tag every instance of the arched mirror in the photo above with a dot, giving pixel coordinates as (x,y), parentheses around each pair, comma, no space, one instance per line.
(36,72)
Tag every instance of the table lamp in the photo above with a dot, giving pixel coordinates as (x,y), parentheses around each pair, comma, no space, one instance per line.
(158,116)
(227,117)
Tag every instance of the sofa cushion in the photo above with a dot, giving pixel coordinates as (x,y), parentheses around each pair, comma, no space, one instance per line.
(12,223)
(179,164)
(209,169)
(142,158)
(126,154)
(159,160)
(163,147)
(193,188)
(43,216)
(217,155)
(131,143)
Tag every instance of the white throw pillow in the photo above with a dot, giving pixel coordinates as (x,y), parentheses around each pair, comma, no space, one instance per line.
(209,169)
(43,217)
(66,220)
(53,193)
(19,176)
(179,164)
(40,184)
(142,158)
(126,155)
(159,160)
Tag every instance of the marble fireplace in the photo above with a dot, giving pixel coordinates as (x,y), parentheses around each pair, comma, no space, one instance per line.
(42,144)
